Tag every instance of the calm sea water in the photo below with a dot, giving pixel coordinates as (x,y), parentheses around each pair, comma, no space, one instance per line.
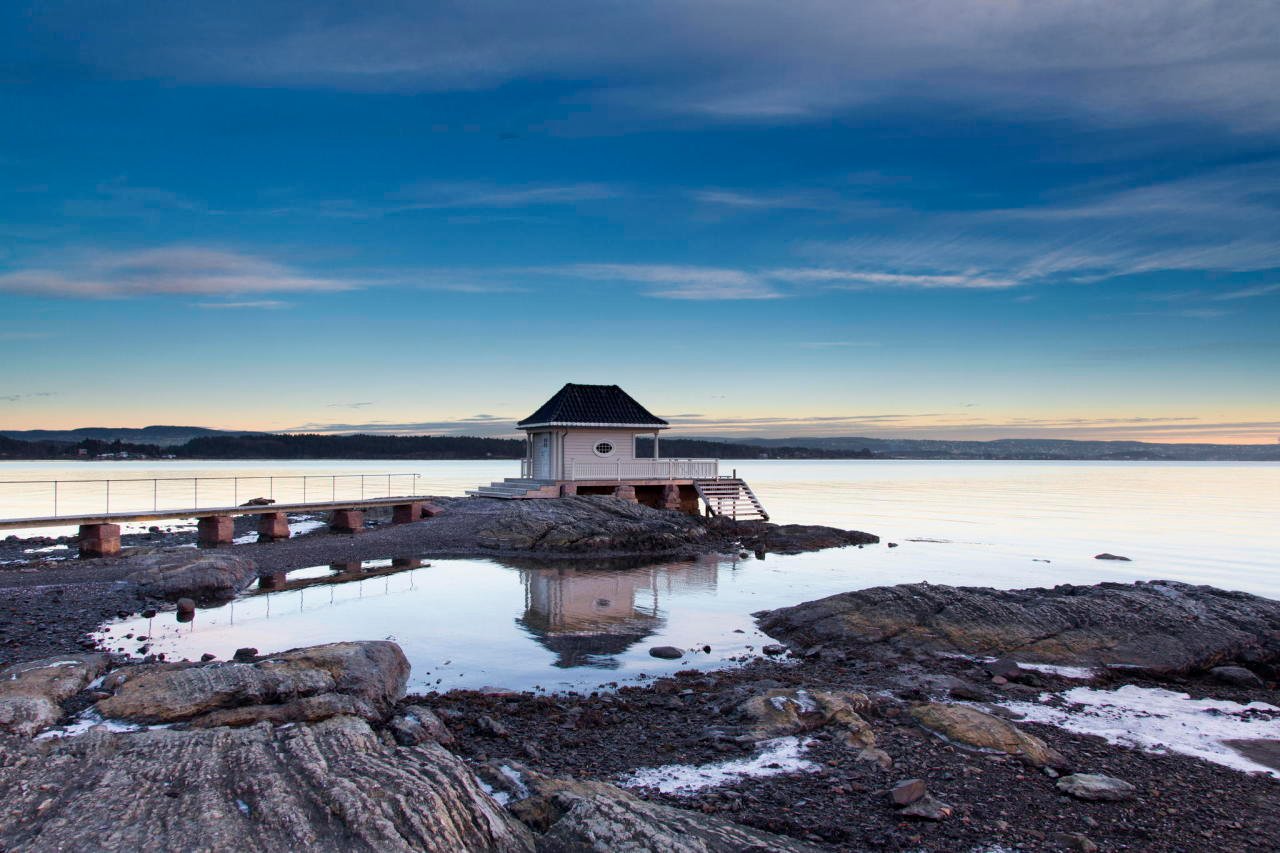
(479,622)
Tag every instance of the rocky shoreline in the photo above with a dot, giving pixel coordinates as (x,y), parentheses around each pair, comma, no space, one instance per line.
(912,717)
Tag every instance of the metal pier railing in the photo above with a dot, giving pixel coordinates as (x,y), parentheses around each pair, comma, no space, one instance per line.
(84,497)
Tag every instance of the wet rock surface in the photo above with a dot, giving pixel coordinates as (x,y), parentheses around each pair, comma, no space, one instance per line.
(570,814)
(361,679)
(32,693)
(204,576)
(334,786)
(1161,627)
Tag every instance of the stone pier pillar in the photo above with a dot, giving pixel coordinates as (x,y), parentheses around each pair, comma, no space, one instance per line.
(272,580)
(214,530)
(347,521)
(99,540)
(568,490)
(405,513)
(671,496)
(273,526)
(626,492)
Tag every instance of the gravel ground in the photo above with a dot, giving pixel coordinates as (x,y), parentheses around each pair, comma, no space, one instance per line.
(1182,804)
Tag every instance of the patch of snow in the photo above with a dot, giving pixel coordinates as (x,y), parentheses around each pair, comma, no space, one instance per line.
(305,525)
(1159,720)
(802,700)
(48,549)
(1083,673)
(86,722)
(777,756)
(296,528)
(501,796)
(517,781)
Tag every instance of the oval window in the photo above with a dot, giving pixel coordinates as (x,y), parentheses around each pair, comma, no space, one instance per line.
(604,448)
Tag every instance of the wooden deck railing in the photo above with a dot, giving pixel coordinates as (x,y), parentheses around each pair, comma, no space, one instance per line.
(645,469)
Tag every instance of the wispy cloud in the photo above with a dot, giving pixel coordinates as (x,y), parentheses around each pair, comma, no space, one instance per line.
(1250,292)
(836,344)
(455,196)
(1106,62)
(257,304)
(119,198)
(1227,220)
(680,282)
(185,270)
(33,395)
(863,279)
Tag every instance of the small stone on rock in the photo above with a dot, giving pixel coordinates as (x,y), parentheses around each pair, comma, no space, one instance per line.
(928,807)
(907,792)
(1095,786)
(666,652)
(1236,676)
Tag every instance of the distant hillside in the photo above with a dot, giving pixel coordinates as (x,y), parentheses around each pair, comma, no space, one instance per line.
(164,436)
(186,442)
(1027,448)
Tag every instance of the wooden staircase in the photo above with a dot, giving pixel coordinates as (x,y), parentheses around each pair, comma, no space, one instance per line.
(731,498)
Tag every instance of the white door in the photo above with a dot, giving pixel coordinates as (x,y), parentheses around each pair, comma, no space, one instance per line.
(542,456)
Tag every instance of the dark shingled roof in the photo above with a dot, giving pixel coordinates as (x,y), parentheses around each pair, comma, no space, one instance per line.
(592,405)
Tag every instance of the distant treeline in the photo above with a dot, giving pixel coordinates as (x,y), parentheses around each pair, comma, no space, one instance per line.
(276,446)
(694,448)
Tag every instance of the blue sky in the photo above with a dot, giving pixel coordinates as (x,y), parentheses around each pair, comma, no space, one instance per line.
(931,219)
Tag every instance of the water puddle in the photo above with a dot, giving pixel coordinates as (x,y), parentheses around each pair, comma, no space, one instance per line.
(519,625)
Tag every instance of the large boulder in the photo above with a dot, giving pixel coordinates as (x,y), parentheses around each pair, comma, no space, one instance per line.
(789,538)
(363,679)
(970,727)
(582,815)
(1162,627)
(330,786)
(32,693)
(573,524)
(201,575)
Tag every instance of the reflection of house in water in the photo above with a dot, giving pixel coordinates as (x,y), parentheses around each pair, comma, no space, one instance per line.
(587,616)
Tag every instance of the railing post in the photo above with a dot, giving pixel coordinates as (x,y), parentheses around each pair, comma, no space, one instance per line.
(304,488)
(155,495)
(362,487)
(195,492)
(271,487)
(333,488)
(388,485)
(235,490)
